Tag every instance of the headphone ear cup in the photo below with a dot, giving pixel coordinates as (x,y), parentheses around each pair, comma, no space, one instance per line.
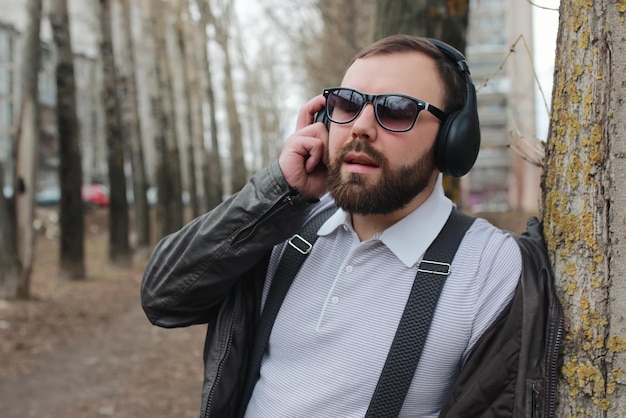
(458,140)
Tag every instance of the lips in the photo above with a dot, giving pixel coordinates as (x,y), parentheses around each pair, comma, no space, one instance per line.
(360,159)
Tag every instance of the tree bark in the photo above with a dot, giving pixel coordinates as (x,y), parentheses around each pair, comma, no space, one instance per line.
(169,205)
(9,273)
(583,201)
(27,149)
(71,219)
(131,101)
(213,181)
(238,172)
(119,247)
(192,134)
(446,21)
(197,55)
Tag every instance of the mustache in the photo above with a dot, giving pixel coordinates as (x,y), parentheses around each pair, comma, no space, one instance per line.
(365,148)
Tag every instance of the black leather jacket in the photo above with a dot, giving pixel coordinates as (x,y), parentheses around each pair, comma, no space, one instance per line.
(212,272)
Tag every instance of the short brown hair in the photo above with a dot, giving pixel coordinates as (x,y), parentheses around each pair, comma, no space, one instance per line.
(455,95)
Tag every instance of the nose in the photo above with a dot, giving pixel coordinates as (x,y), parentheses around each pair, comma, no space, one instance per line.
(365,125)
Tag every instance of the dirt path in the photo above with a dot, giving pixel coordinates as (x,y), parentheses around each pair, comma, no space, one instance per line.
(85,349)
(121,368)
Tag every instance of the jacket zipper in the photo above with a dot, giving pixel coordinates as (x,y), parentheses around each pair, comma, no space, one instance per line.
(554,343)
(218,374)
(288,200)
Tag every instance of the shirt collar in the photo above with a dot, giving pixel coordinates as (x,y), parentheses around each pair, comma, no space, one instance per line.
(408,238)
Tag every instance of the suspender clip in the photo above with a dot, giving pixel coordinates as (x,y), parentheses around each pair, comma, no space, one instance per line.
(303,246)
(437,267)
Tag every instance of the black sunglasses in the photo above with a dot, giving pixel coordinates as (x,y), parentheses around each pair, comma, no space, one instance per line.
(394,112)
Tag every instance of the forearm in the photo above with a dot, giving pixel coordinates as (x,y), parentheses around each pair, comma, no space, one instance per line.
(192,270)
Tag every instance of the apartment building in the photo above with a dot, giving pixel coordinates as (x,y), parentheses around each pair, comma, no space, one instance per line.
(8,89)
(502,180)
(85,47)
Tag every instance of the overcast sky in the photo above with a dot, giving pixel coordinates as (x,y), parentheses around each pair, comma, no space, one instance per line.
(545,24)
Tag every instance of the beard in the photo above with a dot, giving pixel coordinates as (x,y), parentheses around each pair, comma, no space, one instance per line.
(395,188)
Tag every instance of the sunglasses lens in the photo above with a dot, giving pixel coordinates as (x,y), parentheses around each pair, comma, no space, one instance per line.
(396,113)
(344,105)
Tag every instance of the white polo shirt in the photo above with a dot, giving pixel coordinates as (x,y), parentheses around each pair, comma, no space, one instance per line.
(334,330)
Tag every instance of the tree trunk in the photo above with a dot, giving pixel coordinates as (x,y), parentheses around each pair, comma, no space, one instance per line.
(583,212)
(181,38)
(213,181)
(169,204)
(27,149)
(347,27)
(9,273)
(238,172)
(197,93)
(446,21)
(119,248)
(265,104)
(140,183)
(71,219)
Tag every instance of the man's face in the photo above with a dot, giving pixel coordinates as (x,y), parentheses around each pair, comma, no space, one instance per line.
(375,171)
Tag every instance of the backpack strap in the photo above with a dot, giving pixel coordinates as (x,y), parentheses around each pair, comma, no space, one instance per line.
(407,345)
(296,250)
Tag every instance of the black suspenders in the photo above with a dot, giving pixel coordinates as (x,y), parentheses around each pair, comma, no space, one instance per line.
(408,342)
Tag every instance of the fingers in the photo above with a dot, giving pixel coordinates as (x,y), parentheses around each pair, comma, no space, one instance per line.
(308,111)
(303,158)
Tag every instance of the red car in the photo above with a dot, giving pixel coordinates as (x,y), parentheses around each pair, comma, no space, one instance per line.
(95,195)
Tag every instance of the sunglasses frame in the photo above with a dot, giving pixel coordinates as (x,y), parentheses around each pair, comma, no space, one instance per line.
(370,98)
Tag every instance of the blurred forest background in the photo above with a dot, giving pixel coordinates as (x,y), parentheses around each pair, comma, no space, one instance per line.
(120,120)
(155,110)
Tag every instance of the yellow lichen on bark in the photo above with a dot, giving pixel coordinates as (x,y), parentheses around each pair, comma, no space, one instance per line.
(588,229)
(587,102)
(595,155)
(617,344)
(575,96)
(579,16)
(584,378)
(583,41)
(612,381)
(571,287)
(573,171)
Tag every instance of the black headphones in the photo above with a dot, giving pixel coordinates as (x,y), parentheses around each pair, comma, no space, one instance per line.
(458,140)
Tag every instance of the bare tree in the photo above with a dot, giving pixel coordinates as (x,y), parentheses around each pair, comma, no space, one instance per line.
(72,240)
(221,23)
(213,181)
(324,50)
(263,105)
(584,207)
(9,273)
(446,21)
(182,21)
(348,26)
(119,247)
(197,57)
(27,149)
(131,106)
(169,204)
